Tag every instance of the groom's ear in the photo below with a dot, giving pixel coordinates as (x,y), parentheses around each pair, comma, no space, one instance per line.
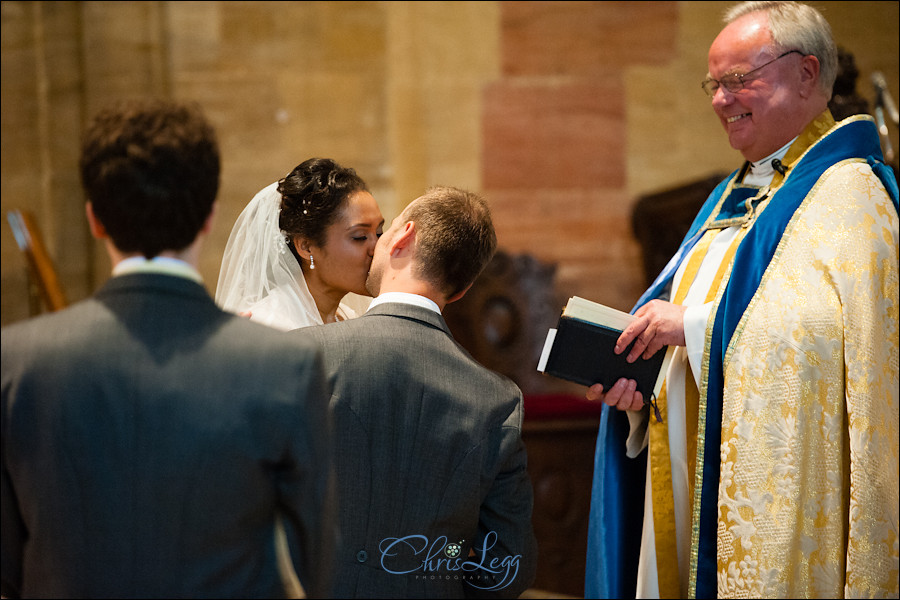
(405,240)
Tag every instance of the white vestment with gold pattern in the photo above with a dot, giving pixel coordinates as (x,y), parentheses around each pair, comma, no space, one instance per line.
(808,458)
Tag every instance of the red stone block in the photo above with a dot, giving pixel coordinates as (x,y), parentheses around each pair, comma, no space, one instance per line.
(554,135)
(585,38)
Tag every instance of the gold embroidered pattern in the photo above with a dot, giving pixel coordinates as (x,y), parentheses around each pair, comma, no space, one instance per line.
(808,494)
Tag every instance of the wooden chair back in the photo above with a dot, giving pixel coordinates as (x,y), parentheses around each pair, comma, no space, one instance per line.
(40,265)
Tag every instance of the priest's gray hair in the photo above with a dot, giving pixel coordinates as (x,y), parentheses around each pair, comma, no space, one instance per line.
(797,26)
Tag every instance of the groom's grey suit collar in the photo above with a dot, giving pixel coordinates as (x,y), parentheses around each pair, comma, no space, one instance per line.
(412,312)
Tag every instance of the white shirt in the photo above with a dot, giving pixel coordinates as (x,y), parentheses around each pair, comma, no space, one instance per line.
(159,264)
(405,298)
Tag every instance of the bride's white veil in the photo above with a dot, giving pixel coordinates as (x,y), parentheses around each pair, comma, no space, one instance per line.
(259,273)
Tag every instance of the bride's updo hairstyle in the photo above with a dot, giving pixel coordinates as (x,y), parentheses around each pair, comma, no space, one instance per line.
(312,197)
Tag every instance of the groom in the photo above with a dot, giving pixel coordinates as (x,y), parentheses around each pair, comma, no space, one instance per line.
(151,441)
(434,498)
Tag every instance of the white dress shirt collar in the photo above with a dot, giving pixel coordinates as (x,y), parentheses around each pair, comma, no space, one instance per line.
(405,298)
(160,265)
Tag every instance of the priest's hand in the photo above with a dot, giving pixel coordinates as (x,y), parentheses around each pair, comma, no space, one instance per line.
(622,395)
(658,324)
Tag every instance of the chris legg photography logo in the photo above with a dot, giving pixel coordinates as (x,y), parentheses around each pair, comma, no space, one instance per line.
(442,559)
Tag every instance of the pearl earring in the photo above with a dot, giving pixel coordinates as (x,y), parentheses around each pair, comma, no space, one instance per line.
(312,263)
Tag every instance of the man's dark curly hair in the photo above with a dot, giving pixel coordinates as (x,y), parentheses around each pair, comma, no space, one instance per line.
(150,169)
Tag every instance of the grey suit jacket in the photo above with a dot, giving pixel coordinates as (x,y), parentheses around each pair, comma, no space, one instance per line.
(149,440)
(434,497)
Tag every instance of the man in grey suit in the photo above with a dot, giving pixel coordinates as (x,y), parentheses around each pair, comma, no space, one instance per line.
(434,497)
(152,444)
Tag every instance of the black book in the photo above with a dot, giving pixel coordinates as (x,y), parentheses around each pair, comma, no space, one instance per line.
(581,349)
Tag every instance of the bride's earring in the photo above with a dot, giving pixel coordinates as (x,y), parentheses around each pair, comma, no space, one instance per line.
(312,263)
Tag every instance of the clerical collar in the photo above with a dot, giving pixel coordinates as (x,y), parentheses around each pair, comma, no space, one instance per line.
(739,204)
(745,195)
(761,172)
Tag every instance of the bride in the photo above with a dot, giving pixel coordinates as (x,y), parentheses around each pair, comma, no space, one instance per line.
(300,247)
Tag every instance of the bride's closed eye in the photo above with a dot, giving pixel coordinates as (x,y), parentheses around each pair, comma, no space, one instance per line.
(365,237)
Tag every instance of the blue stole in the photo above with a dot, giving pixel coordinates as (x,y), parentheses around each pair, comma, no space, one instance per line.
(616,514)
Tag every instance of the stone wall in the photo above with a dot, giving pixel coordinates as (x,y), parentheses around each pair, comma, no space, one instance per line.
(561,113)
